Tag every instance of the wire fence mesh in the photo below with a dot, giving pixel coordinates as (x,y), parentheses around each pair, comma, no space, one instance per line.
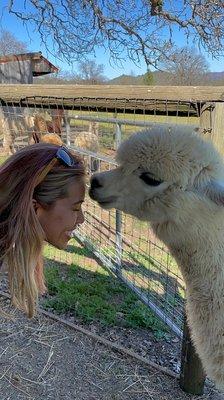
(122,244)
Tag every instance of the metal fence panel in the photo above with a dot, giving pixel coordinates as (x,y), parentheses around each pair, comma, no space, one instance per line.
(124,245)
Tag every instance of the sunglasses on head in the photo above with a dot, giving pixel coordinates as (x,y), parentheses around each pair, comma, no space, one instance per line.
(62,155)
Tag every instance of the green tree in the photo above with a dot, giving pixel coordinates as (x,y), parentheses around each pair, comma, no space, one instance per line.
(148,78)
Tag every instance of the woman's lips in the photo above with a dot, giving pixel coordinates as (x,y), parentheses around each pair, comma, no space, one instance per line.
(69,233)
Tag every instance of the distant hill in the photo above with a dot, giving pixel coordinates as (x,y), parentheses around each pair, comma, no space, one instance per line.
(159,79)
(162,78)
(127,80)
(216,75)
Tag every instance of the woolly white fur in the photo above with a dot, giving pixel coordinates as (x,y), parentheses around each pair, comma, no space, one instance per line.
(186,211)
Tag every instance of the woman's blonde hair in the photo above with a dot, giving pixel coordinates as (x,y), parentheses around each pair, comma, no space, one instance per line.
(29,174)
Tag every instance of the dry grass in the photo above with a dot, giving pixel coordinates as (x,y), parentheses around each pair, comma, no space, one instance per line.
(41,359)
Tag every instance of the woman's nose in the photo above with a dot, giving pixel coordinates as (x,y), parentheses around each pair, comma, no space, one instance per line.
(80,218)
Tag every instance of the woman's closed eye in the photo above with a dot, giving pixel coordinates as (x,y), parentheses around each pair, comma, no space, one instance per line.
(77,209)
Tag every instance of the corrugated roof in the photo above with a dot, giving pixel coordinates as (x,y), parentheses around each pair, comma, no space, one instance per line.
(40,65)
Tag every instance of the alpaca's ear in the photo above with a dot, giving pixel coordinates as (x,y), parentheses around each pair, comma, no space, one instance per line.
(214,190)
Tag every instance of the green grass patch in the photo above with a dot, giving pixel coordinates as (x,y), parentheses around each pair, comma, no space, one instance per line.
(95,295)
(3,159)
(157,277)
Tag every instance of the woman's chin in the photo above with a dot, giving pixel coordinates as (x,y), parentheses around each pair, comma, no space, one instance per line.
(63,246)
(60,246)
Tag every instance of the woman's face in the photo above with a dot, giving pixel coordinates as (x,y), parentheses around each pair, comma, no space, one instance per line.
(61,218)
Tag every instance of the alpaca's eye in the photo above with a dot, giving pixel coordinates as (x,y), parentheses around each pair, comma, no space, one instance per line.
(147,178)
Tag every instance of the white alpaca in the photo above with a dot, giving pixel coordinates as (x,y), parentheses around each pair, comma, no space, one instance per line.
(174,180)
(89,140)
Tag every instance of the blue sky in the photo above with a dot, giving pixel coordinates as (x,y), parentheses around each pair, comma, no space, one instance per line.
(16,27)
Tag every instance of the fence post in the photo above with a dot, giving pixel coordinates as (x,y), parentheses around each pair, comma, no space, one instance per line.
(192,376)
(68,130)
(212,124)
(206,120)
(5,130)
(217,133)
(118,249)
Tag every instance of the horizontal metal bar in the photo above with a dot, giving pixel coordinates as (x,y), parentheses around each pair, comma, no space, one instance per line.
(122,121)
(91,154)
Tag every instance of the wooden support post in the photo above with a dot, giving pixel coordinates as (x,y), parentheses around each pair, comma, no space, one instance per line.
(212,124)
(192,376)
(217,134)
(206,119)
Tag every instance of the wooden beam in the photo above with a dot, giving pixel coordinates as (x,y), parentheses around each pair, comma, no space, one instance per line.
(190,94)
(169,100)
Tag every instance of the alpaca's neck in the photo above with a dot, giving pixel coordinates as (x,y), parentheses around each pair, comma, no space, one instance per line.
(194,234)
(196,245)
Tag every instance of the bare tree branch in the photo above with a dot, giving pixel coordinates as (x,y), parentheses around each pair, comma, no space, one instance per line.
(90,73)
(10,45)
(127,28)
(186,67)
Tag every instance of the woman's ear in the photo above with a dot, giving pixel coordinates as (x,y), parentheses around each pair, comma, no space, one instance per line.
(36,206)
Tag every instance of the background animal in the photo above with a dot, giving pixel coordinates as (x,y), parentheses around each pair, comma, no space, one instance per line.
(50,138)
(89,140)
(174,179)
(43,125)
(51,132)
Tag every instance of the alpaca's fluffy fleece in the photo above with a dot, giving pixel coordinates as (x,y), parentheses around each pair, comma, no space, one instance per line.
(174,179)
(89,140)
(52,138)
(86,140)
(44,123)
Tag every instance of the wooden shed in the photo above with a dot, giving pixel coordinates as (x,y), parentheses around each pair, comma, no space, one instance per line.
(21,68)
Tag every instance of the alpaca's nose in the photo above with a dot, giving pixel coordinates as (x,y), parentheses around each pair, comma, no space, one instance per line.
(95,183)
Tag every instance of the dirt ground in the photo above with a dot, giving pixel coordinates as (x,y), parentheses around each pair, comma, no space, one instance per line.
(43,359)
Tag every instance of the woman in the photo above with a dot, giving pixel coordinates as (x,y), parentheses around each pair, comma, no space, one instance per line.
(42,188)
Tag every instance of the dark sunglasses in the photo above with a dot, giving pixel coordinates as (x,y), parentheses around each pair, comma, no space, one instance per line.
(64,157)
(61,155)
